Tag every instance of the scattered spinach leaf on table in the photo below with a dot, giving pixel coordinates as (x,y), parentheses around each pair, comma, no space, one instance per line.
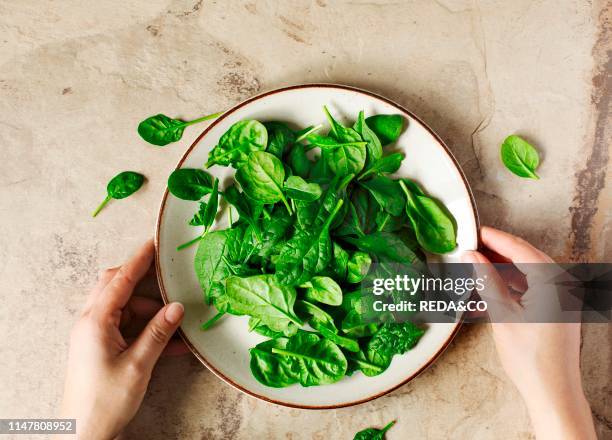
(162,130)
(373,433)
(121,186)
(520,157)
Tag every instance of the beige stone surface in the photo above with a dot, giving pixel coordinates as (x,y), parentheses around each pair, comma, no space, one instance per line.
(76,76)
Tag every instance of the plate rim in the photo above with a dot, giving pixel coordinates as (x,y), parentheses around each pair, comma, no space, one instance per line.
(162,207)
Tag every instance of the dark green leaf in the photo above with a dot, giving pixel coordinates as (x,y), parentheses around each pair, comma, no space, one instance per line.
(374,148)
(121,186)
(373,433)
(434,228)
(358,267)
(237,143)
(207,211)
(385,245)
(262,177)
(246,210)
(340,262)
(280,138)
(385,165)
(387,193)
(297,160)
(320,360)
(388,128)
(298,189)
(322,322)
(161,130)
(190,183)
(324,290)
(307,253)
(262,297)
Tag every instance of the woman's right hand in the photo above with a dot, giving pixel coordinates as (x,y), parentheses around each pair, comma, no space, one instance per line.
(542,359)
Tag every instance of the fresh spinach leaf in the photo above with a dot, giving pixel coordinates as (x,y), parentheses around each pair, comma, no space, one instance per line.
(322,322)
(434,229)
(262,297)
(298,162)
(340,262)
(280,138)
(212,269)
(121,186)
(190,183)
(234,147)
(385,165)
(388,128)
(374,148)
(358,267)
(339,131)
(271,369)
(391,339)
(324,290)
(320,361)
(307,253)
(373,433)
(208,211)
(298,189)
(520,157)
(161,130)
(262,178)
(385,245)
(387,193)
(248,211)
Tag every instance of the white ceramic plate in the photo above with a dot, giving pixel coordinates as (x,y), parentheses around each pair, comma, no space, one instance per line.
(224,349)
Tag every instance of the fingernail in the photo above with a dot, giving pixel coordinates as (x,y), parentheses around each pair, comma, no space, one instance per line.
(174,313)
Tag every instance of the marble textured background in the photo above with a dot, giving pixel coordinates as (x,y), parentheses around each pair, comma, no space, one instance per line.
(76,76)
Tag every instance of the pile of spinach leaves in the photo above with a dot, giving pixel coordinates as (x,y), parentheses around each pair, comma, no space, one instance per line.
(305,230)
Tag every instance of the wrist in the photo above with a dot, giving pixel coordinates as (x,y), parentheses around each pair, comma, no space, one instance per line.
(566,416)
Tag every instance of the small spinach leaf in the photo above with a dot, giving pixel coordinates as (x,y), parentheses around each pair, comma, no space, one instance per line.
(434,229)
(190,183)
(320,360)
(388,128)
(307,253)
(262,177)
(235,145)
(298,162)
(520,157)
(385,165)
(161,130)
(271,369)
(280,138)
(248,211)
(340,261)
(322,322)
(374,148)
(358,267)
(373,433)
(208,211)
(324,290)
(387,193)
(262,297)
(121,186)
(298,189)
